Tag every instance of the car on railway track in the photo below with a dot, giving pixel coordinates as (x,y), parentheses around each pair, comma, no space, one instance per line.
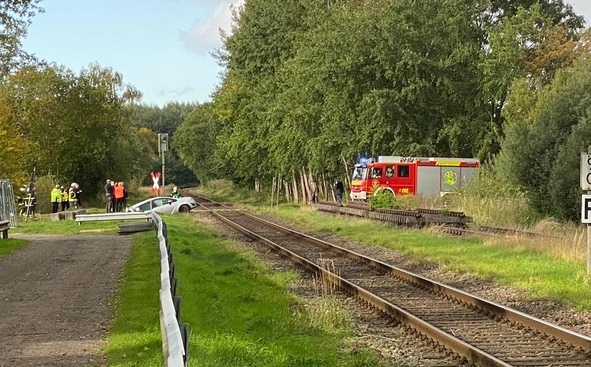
(164,205)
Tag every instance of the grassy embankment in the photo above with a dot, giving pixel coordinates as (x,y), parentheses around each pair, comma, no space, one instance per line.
(241,313)
(550,267)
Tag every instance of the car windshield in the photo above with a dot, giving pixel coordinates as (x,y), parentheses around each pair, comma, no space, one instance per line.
(162,201)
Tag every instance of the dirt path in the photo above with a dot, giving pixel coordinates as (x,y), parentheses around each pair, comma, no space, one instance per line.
(54,299)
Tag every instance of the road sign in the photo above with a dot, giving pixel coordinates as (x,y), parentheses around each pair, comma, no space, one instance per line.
(586,209)
(586,171)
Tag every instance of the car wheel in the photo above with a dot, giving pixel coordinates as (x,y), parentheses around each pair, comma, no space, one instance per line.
(184,209)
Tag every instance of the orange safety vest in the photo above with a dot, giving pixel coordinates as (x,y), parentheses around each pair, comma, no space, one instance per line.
(118,192)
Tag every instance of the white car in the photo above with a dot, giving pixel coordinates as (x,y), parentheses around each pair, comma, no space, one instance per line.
(166,205)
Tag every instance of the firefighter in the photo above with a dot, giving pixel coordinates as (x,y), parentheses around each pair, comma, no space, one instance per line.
(175,192)
(64,198)
(72,196)
(56,198)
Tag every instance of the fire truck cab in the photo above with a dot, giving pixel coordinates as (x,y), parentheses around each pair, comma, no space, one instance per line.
(425,176)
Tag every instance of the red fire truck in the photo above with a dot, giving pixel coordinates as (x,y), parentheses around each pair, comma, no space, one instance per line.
(411,175)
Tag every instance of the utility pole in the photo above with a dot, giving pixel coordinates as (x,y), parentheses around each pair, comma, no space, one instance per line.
(162,149)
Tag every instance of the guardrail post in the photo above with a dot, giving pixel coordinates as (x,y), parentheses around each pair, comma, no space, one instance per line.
(173,283)
(185,331)
(171,271)
(177,307)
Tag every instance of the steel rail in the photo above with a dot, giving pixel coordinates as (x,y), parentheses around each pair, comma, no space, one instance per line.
(449,341)
(548,328)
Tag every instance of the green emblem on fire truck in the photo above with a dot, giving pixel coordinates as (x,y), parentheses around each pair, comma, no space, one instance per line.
(450,178)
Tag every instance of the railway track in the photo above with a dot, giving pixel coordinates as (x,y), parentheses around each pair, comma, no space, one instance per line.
(448,222)
(475,330)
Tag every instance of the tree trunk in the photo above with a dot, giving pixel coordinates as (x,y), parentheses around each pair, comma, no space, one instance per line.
(305,187)
(273,190)
(287,193)
(294,186)
(279,181)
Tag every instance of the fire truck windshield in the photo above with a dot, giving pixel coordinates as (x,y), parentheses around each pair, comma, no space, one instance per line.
(359,173)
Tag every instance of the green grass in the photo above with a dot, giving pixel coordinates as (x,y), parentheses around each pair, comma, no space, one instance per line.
(10,245)
(240,312)
(44,224)
(532,268)
(541,274)
(134,338)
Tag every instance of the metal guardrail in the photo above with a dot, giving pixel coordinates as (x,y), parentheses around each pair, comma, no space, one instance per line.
(8,209)
(4,227)
(175,336)
(112,216)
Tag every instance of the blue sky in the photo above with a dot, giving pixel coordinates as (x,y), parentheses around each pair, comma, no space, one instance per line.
(161,47)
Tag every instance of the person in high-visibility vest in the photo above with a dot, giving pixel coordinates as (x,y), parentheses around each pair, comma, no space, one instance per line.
(65,199)
(72,196)
(56,198)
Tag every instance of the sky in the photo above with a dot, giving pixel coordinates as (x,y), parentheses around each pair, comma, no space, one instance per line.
(161,47)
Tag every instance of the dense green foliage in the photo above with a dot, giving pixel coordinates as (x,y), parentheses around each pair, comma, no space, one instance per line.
(70,126)
(152,120)
(541,151)
(309,89)
(15,17)
(309,85)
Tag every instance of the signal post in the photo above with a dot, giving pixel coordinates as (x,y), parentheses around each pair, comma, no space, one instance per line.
(586,200)
(162,148)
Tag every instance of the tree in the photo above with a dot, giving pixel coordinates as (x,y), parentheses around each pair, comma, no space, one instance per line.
(15,17)
(154,120)
(13,149)
(542,141)
(73,125)
(195,142)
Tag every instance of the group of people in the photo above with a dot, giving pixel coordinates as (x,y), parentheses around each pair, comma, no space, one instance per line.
(68,198)
(337,188)
(116,196)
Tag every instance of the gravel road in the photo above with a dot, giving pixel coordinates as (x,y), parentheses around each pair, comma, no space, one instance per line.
(55,299)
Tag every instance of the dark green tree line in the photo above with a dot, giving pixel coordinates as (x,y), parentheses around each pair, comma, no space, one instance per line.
(310,88)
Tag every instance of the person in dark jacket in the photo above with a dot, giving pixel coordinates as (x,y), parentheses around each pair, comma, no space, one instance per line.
(109,196)
(338,191)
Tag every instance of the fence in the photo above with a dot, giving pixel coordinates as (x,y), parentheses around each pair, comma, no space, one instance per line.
(175,335)
(8,210)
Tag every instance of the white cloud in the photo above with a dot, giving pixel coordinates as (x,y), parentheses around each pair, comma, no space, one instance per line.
(175,93)
(204,35)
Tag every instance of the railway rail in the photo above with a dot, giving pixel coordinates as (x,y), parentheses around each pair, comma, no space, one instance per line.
(475,330)
(448,222)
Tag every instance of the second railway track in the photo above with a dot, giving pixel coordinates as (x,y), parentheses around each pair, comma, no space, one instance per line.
(482,332)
